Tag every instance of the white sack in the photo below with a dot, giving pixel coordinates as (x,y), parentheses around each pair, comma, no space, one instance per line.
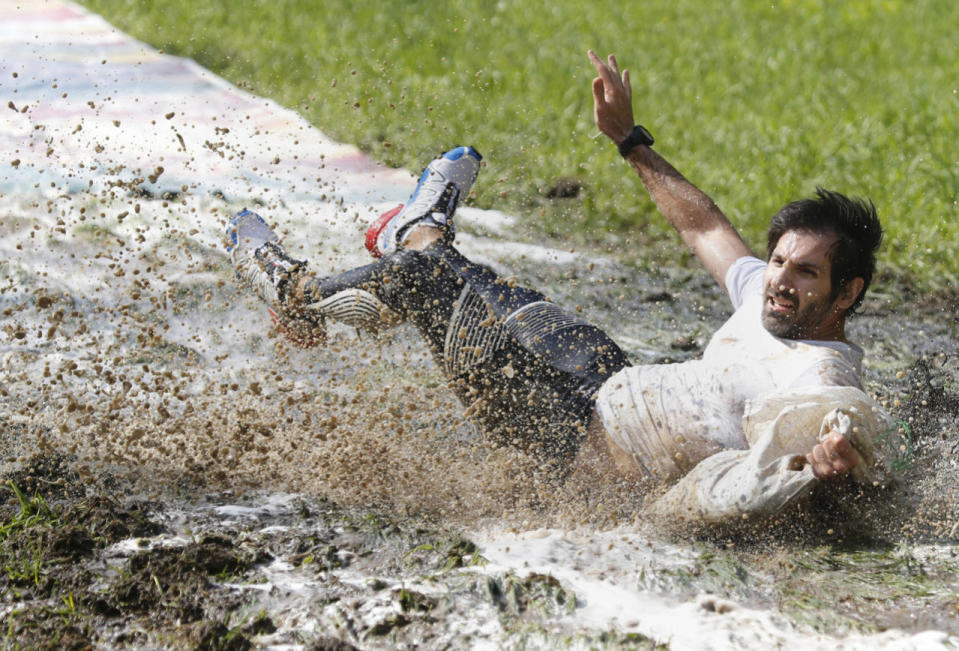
(773,473)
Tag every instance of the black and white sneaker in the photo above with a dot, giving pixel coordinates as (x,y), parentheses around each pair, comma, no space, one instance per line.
(259,259)
(447,179)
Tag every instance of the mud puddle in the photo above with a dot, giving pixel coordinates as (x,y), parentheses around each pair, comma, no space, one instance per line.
(90,566)
(92,563)
(338,496)
(187,479)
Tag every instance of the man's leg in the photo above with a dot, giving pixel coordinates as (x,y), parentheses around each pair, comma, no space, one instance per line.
(524,368)
(428,280)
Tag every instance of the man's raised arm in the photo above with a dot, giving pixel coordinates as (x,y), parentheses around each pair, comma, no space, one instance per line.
(699,221)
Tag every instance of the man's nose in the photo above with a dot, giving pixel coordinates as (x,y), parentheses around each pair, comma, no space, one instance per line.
(782,278)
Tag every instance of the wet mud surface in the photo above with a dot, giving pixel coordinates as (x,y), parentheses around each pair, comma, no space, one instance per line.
(136,521)
(89,567)
(174,475)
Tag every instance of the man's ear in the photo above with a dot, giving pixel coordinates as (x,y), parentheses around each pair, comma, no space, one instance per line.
(849,293)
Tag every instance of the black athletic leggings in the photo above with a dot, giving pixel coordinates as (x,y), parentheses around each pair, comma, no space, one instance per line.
(534,382)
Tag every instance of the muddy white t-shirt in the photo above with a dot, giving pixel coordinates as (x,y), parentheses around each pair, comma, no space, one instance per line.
(669,417)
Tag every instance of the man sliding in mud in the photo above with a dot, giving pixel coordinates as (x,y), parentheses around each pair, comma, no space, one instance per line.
(774,406)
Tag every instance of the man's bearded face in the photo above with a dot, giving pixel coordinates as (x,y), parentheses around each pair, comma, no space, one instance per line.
(799,302)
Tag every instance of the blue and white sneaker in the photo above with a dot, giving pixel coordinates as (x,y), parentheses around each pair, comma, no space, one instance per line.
(259,259)
(443,183)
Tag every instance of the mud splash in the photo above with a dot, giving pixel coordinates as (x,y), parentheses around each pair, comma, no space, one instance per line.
(222,572)
(185,478)
(94,565)
(204,429)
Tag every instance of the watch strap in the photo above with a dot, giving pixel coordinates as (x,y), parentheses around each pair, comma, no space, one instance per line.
(638,136)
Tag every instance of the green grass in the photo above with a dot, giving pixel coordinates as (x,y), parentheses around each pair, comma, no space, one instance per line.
(23,562)
(756,102)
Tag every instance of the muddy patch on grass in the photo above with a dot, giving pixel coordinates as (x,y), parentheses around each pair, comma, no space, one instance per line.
(336,492)
(235,572)
(95,564)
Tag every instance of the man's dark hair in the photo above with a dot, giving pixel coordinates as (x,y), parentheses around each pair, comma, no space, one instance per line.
(854,221)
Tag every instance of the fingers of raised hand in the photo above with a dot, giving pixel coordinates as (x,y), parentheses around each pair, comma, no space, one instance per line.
(599,94)
(612,98)
(609,73)
(613,65)
(597,62)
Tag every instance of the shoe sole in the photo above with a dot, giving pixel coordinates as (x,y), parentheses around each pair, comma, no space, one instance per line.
(248,219)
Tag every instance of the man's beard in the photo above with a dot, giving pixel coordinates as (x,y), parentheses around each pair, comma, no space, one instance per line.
(797,323)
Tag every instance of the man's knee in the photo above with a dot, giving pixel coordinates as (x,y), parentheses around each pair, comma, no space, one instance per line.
(568,343)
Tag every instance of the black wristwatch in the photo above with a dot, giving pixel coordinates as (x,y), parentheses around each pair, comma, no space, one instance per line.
(638,136)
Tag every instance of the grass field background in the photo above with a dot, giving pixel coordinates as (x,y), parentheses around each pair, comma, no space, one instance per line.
(755,102)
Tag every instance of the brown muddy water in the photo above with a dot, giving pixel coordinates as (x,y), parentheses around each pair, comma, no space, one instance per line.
(173,475)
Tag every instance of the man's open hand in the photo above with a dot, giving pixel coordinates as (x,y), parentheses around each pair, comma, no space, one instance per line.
(833,458)
(612,99)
